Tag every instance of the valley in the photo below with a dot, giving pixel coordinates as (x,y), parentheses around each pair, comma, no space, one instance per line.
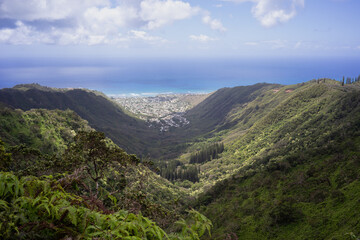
(179,120)
(264,161)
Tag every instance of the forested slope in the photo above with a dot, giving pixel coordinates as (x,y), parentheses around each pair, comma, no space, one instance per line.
(46,130)
(128,132)
(297,168)
(264,161)
(103,115)
(212,112)
(60,179)
(210,116)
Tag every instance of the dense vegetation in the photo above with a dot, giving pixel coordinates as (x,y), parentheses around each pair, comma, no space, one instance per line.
(261,162)
(32,208)
(211,113)
(317,199)
(130,133)
(297,168)
(85,197)
(175,170)
(207,153)
(47,131)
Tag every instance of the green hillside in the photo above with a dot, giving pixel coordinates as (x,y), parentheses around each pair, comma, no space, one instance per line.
(209,117)
(47,130)
(89,195)
(41,134)
(261,162)
(294,171)
(211,113)
(81,176)
(130,133)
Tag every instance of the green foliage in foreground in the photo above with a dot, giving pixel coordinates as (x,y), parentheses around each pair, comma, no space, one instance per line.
(103,174)
(89,203)
(37,141)
(33,208)
(291,164)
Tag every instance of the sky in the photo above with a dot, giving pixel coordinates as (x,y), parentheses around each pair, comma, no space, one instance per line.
(175,28)
(87,34)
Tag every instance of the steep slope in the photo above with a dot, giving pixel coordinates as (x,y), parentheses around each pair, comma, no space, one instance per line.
(210,116)
(297,167)
(95,190)
(290,169)
(129,133)
(39,142)
(212,112)
(194,99)
(47,130)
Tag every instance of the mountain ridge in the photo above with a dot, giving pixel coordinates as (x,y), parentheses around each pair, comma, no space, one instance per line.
(101,113)
(128,132)
(290,163)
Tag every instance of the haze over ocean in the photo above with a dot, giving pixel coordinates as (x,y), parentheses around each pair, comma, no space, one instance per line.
(155,46)
(150,76)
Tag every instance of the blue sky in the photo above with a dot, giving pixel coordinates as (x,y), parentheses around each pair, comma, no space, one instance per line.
(179,28)
(137,46)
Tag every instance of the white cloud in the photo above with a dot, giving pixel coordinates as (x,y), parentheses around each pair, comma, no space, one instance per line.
(214,24)
(31,10)
(202,38)
(26,35)
(158,13)
(141,35)
(93,21)
(273,12)
(108,20)
(23,35)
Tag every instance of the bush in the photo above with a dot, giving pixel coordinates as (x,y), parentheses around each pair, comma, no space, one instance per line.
(284,213)
(31,208)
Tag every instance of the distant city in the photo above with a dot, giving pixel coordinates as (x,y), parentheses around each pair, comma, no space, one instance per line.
(162,111)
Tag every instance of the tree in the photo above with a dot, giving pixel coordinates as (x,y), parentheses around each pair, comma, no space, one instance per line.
(30,161)
(91,150)
(207,153)
(348,80)
(5,158)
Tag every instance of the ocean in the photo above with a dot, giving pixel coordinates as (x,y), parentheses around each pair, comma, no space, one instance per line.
(123,77)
